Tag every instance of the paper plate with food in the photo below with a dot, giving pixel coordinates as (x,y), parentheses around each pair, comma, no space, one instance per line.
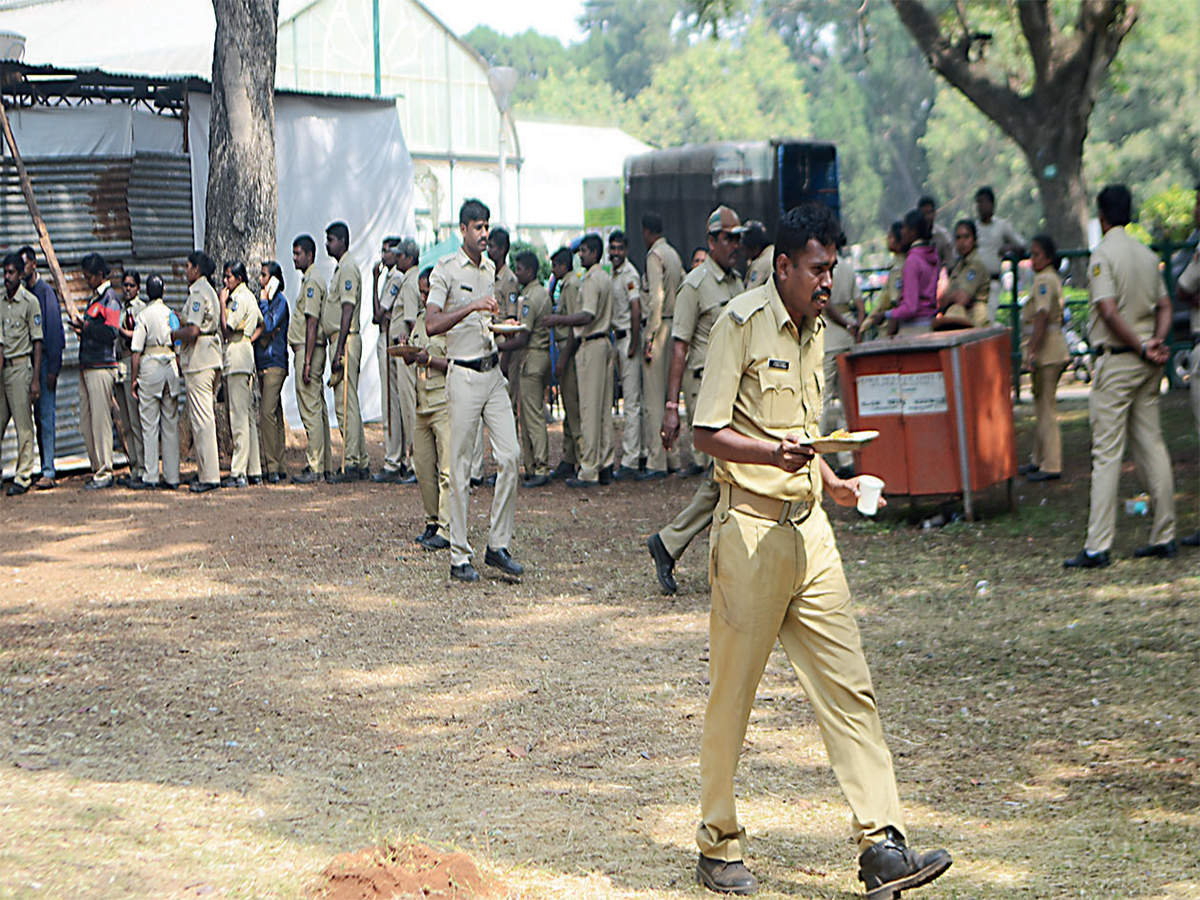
(840,440)
(508,326)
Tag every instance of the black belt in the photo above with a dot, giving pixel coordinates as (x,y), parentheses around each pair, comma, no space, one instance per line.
(619,334)
(592,337)
(483,364)
(1102,349)
(13,360)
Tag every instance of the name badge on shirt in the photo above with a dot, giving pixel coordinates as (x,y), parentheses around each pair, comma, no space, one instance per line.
(778,364)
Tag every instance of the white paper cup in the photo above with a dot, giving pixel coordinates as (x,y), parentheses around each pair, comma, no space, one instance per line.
(870,489)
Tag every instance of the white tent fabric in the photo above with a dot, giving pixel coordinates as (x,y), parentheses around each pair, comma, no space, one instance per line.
(337,159)
(110,129)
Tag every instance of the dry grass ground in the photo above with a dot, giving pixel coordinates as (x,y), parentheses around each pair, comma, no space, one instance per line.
(215,695)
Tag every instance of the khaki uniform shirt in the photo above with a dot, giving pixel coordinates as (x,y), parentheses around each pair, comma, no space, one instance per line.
(431,384)
(534,307)
(626,287)
(21,323)
(569,298)
(760,267)
(664,274)
(1045,295)
(152,331)
(1125,270)
(701,299)
(345,287)
(132,309)
(507,291)
(455,282)
(1189,280)
(844,296)
(971,275)
(242,317)
(990,238)
(597,299)
(764,379)
(203,311)
(407,306)
(308,303)
(389,300)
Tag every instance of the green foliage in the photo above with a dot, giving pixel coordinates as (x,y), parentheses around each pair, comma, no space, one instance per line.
(626,39)
(1168,214)
(538,251)
(533,55)
(573,95)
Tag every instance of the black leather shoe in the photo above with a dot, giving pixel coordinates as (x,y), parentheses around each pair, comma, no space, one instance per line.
(139,485)
(624,473)
(651,475)
(1085,560)
(435,542)
(122,480)
(273,478)
(464,572)
(664,564)
(430,531)
(255,479)
(500,559)
(15,490)
(168,485)
(363,473)
(1039,475)
(725,877)
(604,476)
(475,482)
(536,481)
(580,483)
(891,867)
(1026,469)
(691,471)
(563,470)
(330,477)
(230,481)
(386,476)
(308,476)
(1166,550)
(202,487)
(346,476)
(407,477)
(489,480)
(1191,540)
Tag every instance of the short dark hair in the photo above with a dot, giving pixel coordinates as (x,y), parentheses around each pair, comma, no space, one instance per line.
(408,247)
(306,243)
(528,259)
(27,254)
(473,210)
(652,222)
(237,269)
(698,249)
(1115,204)
(154,287)
(133,274)
(425,273)
(618,237)
(391,240)
(804,223)
(926,200)
(562,256)
(968,224)
(499,236)
(1047,244)
(339,230)
(592,241)
(986,191)
(203,262)
(754,238)
(274,270)
(917,223)
(14,260)
(894,229)
(94,264)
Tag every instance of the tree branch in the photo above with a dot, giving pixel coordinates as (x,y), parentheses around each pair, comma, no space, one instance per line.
(1040,32)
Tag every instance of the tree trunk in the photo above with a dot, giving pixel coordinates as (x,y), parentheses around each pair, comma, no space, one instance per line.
(241,214)
(1064,195)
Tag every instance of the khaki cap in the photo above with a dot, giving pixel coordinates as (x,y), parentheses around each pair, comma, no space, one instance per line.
(724,219)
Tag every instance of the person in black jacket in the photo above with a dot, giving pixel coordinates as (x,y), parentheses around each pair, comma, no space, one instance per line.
(97,331)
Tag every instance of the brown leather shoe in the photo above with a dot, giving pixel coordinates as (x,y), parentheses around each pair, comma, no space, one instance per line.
(725,877)
(890,867)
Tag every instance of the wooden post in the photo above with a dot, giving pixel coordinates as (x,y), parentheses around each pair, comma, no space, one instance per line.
(43,236)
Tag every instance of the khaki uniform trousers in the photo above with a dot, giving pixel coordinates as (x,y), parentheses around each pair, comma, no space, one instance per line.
(474,397)
(569,391)
(95,419)
(1124,403)
(16,405)
(594,372)
(158,415)
(399,386)
(130,418)
(272,428)
(345,404)
(654,399)
(786,581)
(535,440)
(691,390)
(1047,447)
(833,414)
(314,414)
(201,390)
(629,374)
(692,519)
(431,462)
(243,422)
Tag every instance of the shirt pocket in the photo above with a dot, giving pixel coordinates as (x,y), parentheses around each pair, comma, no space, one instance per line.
(780,396)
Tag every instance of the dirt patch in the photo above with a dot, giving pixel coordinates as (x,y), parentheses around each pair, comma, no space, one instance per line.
(408,870)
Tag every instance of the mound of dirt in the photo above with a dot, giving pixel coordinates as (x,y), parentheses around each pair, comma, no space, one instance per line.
(403,872)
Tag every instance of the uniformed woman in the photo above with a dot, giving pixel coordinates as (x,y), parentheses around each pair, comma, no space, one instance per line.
(243,326)
(965,302)
(201,359)
(1045,356)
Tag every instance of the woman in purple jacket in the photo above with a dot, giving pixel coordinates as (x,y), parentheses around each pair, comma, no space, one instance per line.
(919,279)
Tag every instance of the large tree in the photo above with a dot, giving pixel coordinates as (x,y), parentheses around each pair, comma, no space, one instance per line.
(241,207)
(1043,107)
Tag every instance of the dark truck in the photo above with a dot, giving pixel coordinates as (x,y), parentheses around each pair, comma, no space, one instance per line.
(758,179)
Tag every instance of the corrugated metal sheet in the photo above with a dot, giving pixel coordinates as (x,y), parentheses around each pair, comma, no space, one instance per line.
(160,205)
